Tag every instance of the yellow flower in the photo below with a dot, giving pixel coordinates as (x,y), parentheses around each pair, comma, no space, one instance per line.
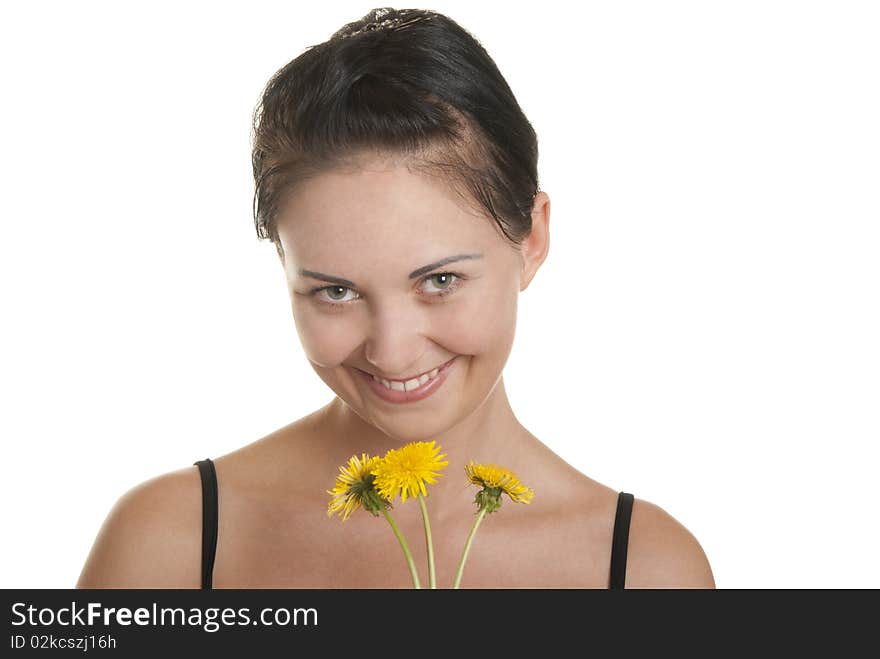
(354,488)
(407,469)
(496,480)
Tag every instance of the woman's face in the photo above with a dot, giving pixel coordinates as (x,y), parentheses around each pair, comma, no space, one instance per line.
(356,245)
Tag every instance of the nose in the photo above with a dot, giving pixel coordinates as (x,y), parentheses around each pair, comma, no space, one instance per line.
(395,339)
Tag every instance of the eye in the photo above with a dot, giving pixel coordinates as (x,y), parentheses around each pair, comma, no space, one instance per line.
(335,293)
(447,285)
(444,283)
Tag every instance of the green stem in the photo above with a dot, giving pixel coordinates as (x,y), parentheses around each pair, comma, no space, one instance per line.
(467,546)
(405,547)
(431,574)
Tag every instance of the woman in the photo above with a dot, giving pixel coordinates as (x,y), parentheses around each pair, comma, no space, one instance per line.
(397,176)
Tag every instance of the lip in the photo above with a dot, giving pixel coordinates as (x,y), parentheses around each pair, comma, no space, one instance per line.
(427,389)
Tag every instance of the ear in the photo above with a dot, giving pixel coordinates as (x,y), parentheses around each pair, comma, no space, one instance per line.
(535,247)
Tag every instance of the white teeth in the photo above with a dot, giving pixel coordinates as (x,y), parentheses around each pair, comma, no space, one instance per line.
(409,385)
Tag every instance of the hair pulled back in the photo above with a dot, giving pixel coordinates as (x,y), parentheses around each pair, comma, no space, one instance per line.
(405,83)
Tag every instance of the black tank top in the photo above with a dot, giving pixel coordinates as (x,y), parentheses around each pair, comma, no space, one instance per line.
(619,542)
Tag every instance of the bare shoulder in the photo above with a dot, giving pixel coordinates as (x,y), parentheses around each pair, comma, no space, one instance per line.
(662,553)
(151,538)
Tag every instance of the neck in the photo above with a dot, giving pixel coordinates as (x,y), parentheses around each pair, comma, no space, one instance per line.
(489,434)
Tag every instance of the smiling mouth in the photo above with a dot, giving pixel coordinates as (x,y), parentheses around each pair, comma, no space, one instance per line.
(421,377)
(408,391)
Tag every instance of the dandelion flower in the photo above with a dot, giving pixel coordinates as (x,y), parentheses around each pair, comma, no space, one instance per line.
(406,470)
(355,489)
(495,481)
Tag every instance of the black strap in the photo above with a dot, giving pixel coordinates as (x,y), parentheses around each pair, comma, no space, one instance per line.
(620,540)
(209,519)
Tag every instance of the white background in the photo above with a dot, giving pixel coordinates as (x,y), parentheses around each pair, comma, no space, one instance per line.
(704,332)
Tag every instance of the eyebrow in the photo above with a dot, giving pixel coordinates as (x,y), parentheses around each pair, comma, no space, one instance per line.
(415,273)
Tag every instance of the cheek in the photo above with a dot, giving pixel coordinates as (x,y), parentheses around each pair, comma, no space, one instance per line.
(482,325)
(327,339)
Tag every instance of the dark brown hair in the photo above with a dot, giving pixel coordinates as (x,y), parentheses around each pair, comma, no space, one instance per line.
(410,83)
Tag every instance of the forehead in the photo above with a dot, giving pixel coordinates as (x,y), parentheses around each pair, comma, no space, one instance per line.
(381,206)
